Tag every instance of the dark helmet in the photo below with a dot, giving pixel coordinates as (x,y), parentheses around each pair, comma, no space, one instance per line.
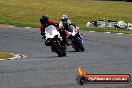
(44,19)
(64,19)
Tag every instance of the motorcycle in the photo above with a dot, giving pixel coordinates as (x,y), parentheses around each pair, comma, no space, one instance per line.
(54,40)
(75,38)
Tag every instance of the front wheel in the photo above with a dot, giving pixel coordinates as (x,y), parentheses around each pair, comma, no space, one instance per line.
(59,50)
(64,53)
(79,48)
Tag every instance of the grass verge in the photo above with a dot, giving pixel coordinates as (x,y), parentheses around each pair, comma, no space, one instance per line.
(27,12)
(5,55)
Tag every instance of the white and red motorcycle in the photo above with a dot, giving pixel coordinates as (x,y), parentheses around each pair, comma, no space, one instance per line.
(75,38)
(54,40)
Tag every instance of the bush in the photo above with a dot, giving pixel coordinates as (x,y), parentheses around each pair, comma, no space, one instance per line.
(128,1)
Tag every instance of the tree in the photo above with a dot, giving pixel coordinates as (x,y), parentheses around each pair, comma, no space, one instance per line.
(128,0)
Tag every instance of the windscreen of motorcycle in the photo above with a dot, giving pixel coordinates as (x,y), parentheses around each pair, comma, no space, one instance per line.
(51,31)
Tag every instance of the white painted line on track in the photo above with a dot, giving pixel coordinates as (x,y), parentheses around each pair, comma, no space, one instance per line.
(120,33)
(107,32)
(91,31)
(27,27)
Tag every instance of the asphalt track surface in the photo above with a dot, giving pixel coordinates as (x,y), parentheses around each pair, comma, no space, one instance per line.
(104,54)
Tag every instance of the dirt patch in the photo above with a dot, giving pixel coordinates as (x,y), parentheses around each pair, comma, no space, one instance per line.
(5,25)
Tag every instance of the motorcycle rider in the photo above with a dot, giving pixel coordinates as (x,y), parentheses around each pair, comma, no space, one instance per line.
(66,24)
(44,20)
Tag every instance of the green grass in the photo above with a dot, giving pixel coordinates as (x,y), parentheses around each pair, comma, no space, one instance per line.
(27,12)
(5,55)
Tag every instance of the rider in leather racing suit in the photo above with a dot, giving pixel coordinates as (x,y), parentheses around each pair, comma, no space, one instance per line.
(66,24)
(44,20)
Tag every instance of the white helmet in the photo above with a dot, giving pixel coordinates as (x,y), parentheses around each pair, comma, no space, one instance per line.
(64,19)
